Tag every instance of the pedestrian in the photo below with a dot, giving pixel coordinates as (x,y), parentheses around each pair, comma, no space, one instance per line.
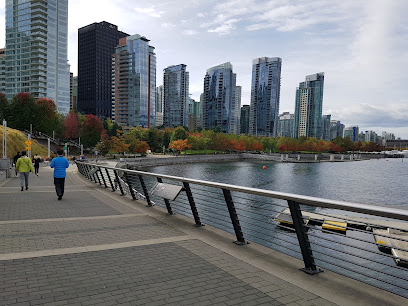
(60,164)
(15,159)
(36,160)
(24,166)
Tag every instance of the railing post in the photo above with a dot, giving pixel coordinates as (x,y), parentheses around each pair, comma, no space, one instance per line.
(299,224)
(146,193)
(103,179)
(192,204)
(97,175)
(110,180)
(168,206)
(132,193)
(234,217)
(87,172)
(118,181)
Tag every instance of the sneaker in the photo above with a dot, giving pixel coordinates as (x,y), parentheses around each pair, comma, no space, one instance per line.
(26,188)
(59,198)
(22,188)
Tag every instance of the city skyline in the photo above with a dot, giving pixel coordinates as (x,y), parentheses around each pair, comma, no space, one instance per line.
(359,44)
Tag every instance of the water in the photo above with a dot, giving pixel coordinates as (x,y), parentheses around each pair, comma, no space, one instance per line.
(378,182)
(381,182)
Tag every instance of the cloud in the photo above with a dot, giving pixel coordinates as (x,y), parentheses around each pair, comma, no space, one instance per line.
(190,32)
(149,11)
(168,25)
(224,28)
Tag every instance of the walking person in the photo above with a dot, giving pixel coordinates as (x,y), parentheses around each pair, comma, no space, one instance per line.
(36,161)
(60,164)
(24,166)
(15,159)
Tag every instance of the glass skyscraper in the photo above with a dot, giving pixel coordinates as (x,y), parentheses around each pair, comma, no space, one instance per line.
(176,96)
(219,98)
(244,128)
(36,50)
(285,125)
(265,96)
(134,82)
(159,106)
(326,124)
(238,91)
(308,109)
(96,44)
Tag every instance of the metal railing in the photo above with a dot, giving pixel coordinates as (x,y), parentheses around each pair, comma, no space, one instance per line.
(252,214)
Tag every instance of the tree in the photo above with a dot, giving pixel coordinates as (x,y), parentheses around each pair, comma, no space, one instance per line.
(154,138)
(118,142)
(141,146)
(3,106)
(238,145)
(282,148)
(91,131)
(104,145)
(22,111)
(178,133)
(180,145)
(71,125)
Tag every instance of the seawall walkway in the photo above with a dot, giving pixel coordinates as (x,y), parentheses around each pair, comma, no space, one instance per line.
(95,247)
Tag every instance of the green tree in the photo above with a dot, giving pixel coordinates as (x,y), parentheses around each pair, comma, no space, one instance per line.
(47,116)
(3,106)
(178,133)
(22,111)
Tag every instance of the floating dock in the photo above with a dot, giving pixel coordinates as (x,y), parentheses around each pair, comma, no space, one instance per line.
(398,248)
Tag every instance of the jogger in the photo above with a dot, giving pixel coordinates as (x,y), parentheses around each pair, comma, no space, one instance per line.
(60,164)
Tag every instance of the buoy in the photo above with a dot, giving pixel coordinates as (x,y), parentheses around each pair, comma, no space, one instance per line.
(264,167)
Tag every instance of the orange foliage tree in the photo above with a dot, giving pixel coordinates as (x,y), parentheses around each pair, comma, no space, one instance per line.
(141,146)
(118,142)
(238,145)
(180,145)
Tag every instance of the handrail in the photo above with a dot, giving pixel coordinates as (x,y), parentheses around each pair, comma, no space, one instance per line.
(380,211)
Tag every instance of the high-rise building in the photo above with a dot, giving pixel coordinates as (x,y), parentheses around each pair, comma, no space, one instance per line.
(245,119)
(219,98)
(370,136)
(352,132)
(308,110)
(3,71)
(336,129)
(36,50)
(96,44)
(326,125)
(75,93)
(159,106)
(193,115)
(134,82)
(238,91)
(285,125)
(265,96)
(176,96)
(388,136)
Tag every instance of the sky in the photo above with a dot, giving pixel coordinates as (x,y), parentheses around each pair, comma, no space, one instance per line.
(360,45)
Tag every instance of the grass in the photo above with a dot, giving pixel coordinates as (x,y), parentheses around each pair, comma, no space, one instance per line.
(15,143)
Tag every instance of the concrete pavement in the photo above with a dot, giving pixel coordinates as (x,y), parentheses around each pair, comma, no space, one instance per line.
(95,247)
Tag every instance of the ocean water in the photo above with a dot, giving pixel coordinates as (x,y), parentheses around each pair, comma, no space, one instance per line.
(376,182)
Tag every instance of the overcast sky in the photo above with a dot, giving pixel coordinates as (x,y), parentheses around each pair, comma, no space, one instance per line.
(361,45)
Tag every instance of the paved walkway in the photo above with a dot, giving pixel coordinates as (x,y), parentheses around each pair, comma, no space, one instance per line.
(97,248)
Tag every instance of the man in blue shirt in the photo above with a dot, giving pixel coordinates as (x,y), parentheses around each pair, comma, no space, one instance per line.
(60,164)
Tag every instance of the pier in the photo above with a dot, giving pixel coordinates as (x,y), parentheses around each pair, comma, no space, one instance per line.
(95,247)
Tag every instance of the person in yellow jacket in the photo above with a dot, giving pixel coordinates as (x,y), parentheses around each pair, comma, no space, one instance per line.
(24,166)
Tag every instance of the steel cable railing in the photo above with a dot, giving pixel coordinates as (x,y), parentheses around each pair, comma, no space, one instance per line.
(251,213)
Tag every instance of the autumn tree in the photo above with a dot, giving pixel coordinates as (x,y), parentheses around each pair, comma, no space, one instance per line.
(91,131)
(282,148)
(180,145)
(105,144)
(71,125)
(141,146)
(238,145)
(118,142)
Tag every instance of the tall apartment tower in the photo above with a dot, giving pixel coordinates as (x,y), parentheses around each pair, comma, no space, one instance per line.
(3,71)
(36,50)
(219,98)
(326,125)
(159,106)
(134,82)
(176,96)
(308,109)
(238,91)
(244,128)
(285,126)
(96,44)
(265,96)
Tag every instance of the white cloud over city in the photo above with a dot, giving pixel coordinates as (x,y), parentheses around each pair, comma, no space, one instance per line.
(360,45)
